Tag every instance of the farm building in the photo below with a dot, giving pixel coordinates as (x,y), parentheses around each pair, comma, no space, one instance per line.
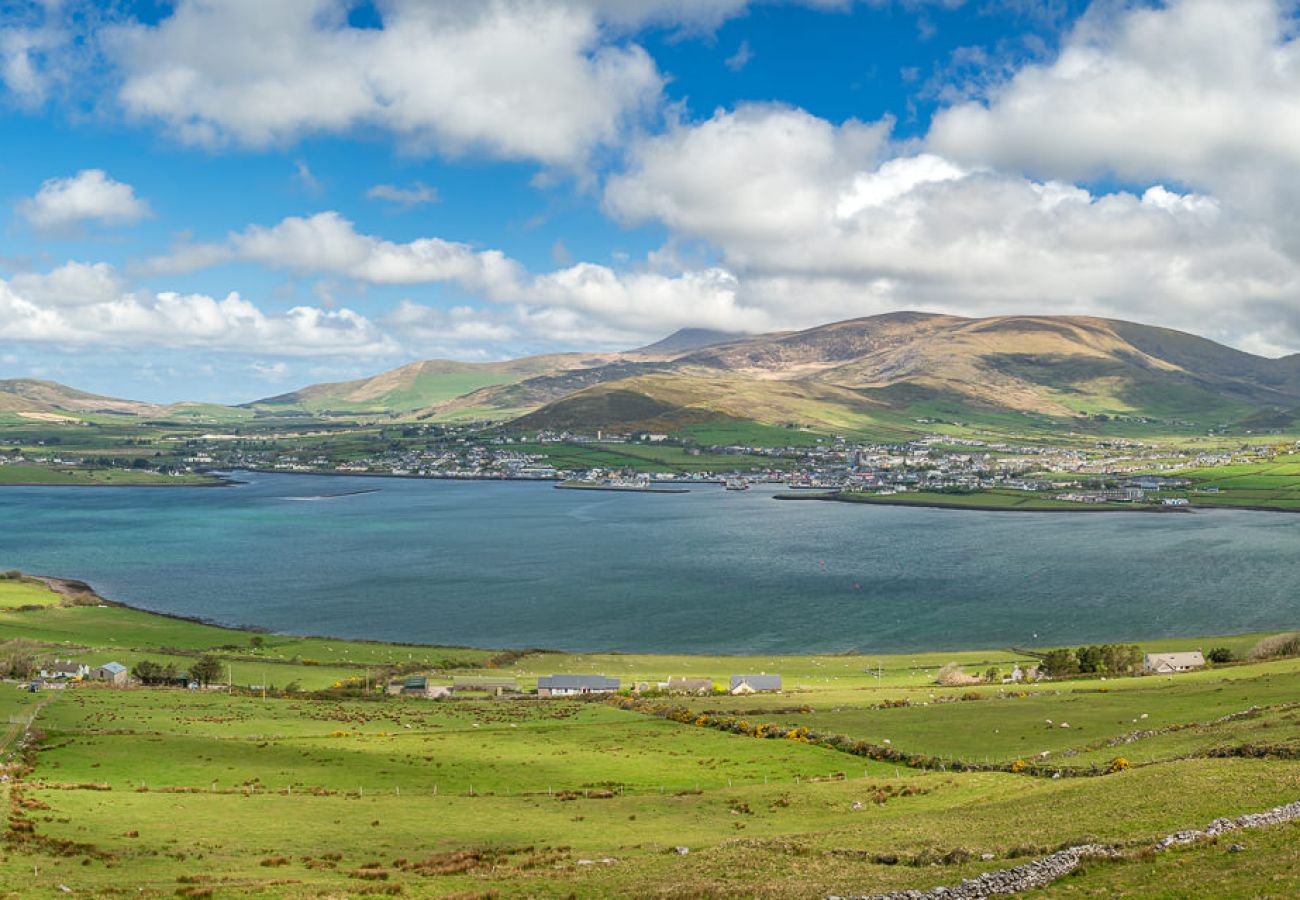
(1168,663)
(570,685)
(690,685)
(485,684)
(113,673)
(755,684)
(417,686)
(47,684)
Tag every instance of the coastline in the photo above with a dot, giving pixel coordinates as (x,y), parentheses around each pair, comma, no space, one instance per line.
(220,481)
(472,478)
(565,486)
(978,507)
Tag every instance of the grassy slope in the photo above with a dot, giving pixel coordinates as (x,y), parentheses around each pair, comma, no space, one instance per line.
(422,391)
(18,593)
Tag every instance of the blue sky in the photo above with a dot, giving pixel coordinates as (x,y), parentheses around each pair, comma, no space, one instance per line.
(225,201)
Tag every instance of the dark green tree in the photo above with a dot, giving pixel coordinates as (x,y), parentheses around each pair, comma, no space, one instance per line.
(1061,662)
(146,671)
(205,670)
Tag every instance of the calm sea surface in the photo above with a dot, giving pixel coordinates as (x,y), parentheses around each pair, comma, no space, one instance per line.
(522,564)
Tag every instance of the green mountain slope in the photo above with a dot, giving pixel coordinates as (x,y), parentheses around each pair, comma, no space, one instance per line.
(446,389)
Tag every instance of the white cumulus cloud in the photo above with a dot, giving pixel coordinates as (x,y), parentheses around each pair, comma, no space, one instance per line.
(1191,90)
(100,313)
(89,196)
(817,221)
(512,78)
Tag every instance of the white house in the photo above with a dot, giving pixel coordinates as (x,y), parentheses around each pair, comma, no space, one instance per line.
(64,668)
(754,684)
(570,685)
(1168,663)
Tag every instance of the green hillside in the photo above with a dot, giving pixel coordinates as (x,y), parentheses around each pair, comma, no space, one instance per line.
(863,775)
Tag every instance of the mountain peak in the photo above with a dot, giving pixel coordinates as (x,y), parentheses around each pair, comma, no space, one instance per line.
(684,339)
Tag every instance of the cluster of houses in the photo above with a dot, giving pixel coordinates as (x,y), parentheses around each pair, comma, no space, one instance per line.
(572,686)
(59,673)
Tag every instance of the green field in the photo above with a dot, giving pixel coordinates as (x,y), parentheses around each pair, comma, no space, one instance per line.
(16,593)
(648,458)
(331,790)
(22,474)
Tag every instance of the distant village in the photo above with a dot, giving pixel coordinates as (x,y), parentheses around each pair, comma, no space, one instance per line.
(1108,471)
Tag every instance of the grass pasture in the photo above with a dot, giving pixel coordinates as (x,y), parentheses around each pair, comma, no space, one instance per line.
(28,474)
(159,791)
(17,593)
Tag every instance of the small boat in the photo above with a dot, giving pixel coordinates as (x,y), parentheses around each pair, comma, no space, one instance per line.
(736,484)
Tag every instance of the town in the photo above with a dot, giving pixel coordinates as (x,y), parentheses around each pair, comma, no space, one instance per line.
(1101,471)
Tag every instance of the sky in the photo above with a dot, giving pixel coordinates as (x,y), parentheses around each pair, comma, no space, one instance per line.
(222,200)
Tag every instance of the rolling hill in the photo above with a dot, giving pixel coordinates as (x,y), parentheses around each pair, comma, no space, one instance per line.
(895,368)
(37,400)
(450,389)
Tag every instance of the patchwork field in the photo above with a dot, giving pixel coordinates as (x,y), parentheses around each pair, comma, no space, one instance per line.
(333,789)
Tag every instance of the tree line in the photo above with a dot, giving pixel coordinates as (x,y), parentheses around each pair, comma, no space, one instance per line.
(204,671)
(1094,659)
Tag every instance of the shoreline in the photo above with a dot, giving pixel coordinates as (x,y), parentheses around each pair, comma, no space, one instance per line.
(488,478)
(565,486)
(977,507)
(220,481)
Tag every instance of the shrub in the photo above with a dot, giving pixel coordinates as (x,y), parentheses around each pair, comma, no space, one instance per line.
(1277,645)
(1118,764)
(369,874)
(1220,655)
(951,675)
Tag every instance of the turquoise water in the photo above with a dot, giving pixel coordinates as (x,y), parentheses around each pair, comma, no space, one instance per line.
(522,564)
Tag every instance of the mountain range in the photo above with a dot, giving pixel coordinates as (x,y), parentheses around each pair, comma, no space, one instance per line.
(880,372)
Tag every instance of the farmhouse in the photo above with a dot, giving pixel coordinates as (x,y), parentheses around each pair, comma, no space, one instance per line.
(754,684)
(64,668)
(114,673)
(1168,663)
(689,685)
(569,685)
